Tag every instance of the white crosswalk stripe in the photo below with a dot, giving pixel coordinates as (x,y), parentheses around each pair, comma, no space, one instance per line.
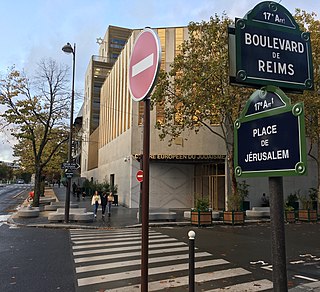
(110,260)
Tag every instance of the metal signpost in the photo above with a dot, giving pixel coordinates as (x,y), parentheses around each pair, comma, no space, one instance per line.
(144,67)
(267,48)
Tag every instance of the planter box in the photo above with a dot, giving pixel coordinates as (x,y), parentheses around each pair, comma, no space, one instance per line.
(201,218)
(307,215)
(290,216)
(233,217)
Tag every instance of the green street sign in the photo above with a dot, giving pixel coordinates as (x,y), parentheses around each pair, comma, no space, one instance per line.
(269,136)
(270,49)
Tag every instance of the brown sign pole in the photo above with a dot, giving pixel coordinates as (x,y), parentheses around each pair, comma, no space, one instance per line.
(278,244)
(145,197)
(144,67)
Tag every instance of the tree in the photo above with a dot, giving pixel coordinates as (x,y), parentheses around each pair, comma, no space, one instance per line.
(5,172)
(196,92)
(308,22)
(36,111)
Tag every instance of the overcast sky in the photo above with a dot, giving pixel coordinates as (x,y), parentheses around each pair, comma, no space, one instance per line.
(36,29)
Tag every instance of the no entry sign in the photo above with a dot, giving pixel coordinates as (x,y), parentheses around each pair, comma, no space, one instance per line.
(144,64)
(139,175)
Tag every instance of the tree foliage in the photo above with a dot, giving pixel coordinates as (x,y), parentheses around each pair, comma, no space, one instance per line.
(6,172)
(309,22)
(35,112)
(196,92)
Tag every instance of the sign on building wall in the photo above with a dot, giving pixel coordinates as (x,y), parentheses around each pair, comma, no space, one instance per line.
(271,49)
(269,136)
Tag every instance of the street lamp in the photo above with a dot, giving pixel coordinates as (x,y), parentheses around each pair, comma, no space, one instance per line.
(69,49)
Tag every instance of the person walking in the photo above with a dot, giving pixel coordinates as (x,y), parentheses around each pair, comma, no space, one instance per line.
(104,201)
(96,201)
(110,201)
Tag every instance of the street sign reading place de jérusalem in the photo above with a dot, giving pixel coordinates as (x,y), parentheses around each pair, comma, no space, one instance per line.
(269,136)
(144,64)
(271,49)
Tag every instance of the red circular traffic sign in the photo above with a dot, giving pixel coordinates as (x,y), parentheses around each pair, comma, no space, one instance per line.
(139,175)
(144,64)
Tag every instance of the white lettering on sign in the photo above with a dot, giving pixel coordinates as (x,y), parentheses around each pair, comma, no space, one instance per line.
(144,64)
(273,43)
(268,155)
(275,67)
(263,105)
(268,130)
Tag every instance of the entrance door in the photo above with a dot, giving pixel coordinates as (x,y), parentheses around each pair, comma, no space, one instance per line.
(210,183)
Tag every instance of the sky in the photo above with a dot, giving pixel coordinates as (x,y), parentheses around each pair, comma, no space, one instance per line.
(36,29)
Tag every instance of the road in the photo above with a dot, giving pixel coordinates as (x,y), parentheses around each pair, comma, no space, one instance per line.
(83,260)
(35,259)
(11,196)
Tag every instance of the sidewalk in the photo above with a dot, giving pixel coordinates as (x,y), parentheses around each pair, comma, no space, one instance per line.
(120,216)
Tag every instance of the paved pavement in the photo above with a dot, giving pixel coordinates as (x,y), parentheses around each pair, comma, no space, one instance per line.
(120,217)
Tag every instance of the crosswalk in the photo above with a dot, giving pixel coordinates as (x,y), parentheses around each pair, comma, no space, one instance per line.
(109,260)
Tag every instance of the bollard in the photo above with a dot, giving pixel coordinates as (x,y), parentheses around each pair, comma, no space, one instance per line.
(192,236)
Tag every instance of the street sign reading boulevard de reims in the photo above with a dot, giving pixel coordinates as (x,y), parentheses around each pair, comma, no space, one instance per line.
(269,136)
(270,49)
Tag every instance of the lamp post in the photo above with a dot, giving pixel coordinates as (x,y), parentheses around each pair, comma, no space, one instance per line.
(69,49)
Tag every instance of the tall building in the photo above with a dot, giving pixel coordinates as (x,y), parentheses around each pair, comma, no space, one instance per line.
(194,166)
(112,139)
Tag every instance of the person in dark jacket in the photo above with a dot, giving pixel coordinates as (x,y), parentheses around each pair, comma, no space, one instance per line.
(104,202)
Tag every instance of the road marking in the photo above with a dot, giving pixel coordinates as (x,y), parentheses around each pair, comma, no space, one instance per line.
(268,268)
(127,254)
(249,286)
(126,248)
(113,258)
(110,244)
(183,281)
(3,219)
(113,239)
(137,273)
(142,65)
(138,262)
(297,262)
(306,278)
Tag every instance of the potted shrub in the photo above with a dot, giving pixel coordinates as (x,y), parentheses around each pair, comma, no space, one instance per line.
(201,215)
(235,213)
(289,212)
(306,213)
(291,207)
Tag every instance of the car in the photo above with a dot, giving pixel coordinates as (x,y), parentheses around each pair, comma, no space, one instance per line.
(20,181)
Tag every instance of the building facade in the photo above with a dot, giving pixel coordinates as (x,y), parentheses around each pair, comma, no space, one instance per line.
(193,166)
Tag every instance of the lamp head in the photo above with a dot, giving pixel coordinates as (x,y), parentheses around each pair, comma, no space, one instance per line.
(67,48)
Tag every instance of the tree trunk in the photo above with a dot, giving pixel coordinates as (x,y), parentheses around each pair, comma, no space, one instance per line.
(37,187)
(318,172)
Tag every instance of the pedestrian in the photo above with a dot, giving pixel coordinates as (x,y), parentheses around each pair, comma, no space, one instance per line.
(78,191)
(96,201)
(110,201)
(74,188)
(59,182)
(104,201)
(264,200)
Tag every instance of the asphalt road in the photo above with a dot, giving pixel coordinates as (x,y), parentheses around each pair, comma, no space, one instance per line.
(11,196)
(249,246)
(35,259)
